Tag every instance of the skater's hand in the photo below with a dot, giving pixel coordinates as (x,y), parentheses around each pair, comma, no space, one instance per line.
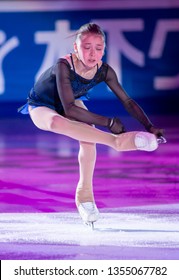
(158,132)
(115,126)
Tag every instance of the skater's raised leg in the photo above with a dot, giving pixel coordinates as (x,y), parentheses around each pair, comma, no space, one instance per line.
(47,119)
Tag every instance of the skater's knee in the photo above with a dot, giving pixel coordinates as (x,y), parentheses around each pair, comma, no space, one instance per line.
(145,141)
(47,119)
(87,151)
(87,146)
(56,122)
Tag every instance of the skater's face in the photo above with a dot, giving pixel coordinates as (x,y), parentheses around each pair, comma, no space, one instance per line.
(89,49)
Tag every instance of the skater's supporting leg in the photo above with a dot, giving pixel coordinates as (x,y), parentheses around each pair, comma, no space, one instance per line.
(87,159)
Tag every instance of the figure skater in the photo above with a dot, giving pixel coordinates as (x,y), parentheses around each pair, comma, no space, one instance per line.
(55,104)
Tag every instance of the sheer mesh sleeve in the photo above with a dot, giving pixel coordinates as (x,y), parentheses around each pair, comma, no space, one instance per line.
(130,105)
(72,111)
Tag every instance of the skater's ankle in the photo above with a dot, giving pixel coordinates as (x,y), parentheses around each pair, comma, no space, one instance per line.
(84,194)
(81,201)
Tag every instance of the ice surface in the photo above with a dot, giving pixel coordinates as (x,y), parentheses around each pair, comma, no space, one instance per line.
(63,235)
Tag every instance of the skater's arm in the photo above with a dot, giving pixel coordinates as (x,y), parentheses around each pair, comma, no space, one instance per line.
(65,91)
(74,112)
(130,105)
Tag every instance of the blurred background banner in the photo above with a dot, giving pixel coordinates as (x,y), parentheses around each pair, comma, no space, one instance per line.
(142,46)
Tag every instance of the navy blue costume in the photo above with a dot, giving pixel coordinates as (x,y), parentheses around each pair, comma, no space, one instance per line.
(59,86)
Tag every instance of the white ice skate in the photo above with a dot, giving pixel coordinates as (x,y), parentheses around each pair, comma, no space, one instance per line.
(89,213)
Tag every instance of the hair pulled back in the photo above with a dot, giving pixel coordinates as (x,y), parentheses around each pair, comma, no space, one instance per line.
(90,28)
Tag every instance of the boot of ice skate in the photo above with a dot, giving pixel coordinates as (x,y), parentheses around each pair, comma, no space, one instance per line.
(86,205)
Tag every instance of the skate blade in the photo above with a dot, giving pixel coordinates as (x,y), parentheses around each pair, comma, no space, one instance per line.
(161,140)
(90,224)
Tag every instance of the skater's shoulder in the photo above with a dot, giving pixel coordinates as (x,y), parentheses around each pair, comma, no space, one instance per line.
(63,62)
(67,59)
